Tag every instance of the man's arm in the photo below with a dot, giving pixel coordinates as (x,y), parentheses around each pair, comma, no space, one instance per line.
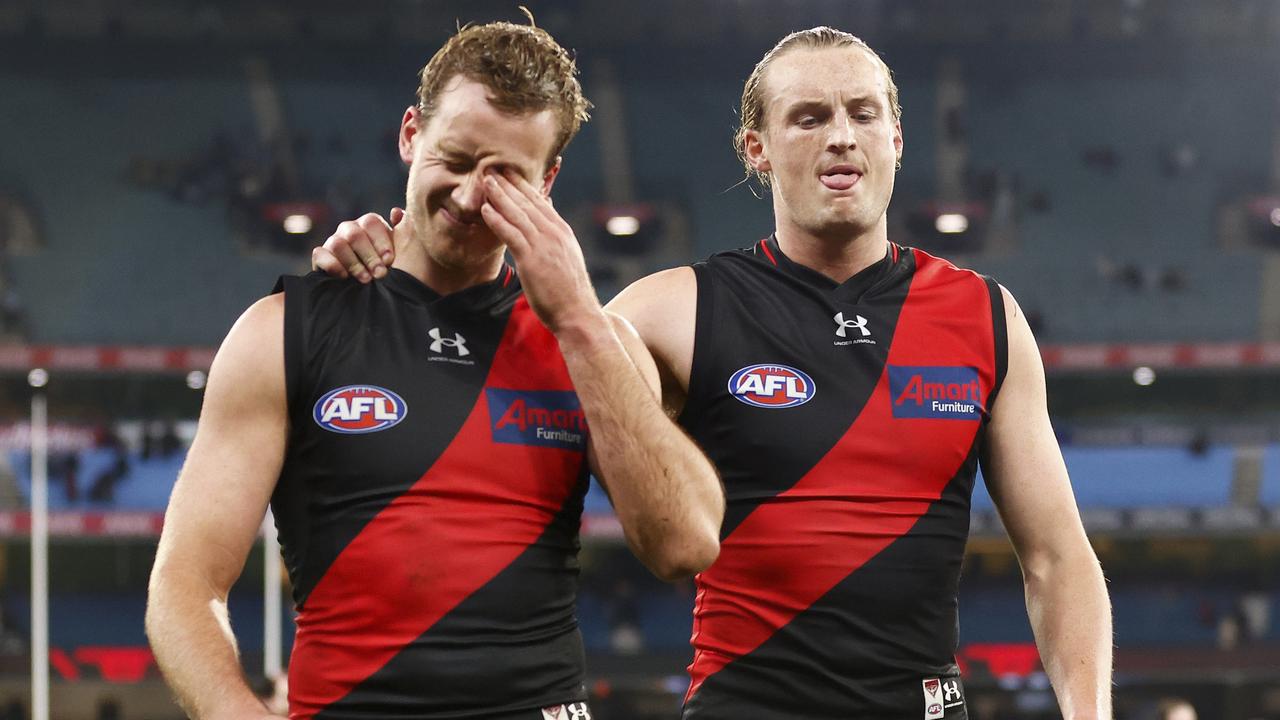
(665,491)
(1066,594)
(663,309)
(214,514)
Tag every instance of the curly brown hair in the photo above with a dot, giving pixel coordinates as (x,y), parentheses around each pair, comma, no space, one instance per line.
(525,69)
(752,112)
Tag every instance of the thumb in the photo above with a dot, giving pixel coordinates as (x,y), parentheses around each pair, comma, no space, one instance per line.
(401,231)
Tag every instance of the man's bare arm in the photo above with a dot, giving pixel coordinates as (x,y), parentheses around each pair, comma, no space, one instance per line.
(214,514)
(1066,594)
(664,490)
(663,308)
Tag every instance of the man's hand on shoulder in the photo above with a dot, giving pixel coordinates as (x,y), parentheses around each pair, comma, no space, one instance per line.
(362,248)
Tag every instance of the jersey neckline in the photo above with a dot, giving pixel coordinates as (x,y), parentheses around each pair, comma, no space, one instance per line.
(476,297)
(851,290)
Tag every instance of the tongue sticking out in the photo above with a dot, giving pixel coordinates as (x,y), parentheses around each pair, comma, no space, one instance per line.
(839,181)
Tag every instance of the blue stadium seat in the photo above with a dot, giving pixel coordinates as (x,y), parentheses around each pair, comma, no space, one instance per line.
(1142,477)
(1128,477)
(596,501)
(1270,491)
(146,486)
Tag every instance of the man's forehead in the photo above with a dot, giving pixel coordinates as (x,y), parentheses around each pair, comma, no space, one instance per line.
(814,73)
(463,95)
(466,119)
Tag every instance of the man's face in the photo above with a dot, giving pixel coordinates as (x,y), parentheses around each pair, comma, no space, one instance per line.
(448,156)
(830,141)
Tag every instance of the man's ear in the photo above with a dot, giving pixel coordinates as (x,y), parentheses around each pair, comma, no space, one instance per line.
(549,178)
(410,127)
(754,150)
(897,141)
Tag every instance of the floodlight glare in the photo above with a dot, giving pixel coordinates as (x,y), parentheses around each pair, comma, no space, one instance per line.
(951,223)
(622,225)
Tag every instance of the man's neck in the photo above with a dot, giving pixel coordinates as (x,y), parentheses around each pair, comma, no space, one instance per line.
(838,257)
(412,258)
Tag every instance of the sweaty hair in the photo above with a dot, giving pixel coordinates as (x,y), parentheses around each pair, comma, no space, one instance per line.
(524,68)
(753,110)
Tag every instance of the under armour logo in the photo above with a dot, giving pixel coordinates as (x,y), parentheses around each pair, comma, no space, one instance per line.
(439,343)
(951,690)
(570,711)
(860,323)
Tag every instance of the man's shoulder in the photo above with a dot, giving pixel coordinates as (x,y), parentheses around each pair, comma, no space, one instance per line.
(734,256)
(318,282)
(319,294)
(663,281)
(656,295)
(942,269)
(260,321)
(253,338)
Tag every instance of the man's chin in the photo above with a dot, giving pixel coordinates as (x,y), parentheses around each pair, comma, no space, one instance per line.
(848,220)
(838,227)
(464,256)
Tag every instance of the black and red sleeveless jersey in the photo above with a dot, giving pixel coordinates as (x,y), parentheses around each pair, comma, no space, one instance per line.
(845,420)
(429,503)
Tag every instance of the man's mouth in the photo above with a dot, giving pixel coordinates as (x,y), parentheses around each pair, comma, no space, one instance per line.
(455,219)
(840,177)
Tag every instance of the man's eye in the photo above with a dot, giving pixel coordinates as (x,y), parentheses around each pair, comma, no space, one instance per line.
(807,121)
(456,164)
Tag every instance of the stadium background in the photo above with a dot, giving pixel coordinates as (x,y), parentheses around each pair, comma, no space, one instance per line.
(1115,163)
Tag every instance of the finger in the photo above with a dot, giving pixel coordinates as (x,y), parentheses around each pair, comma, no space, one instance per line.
(402,233)
(388,250)
(511,205)
(503,226)
(539,203)
(367,256)
(506,231)
(340,245)
(534,204)
(324,261)
(371,242)
(525,192)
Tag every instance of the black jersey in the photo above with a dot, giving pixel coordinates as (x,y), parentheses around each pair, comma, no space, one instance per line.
(429,503)
(845,420)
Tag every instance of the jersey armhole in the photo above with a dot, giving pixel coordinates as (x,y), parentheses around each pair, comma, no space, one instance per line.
(1000,332)
(295,310)
(697,392)
(285,503)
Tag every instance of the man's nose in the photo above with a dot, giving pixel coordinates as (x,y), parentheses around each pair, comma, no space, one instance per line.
(842,134)
(468,196)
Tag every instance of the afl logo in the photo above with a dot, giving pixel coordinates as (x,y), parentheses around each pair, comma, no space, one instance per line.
(359,409)
(772,386)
